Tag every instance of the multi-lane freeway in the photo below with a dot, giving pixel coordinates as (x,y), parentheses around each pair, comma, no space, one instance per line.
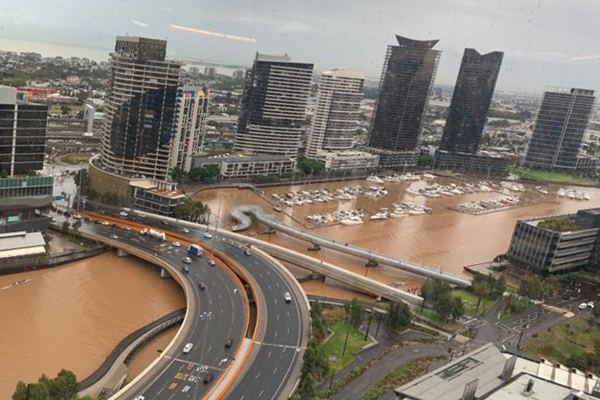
(218,313)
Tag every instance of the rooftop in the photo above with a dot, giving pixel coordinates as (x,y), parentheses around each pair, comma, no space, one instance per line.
(487,370)
(346,72)
(21,243)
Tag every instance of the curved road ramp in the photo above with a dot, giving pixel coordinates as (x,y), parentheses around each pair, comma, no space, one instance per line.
(241,214)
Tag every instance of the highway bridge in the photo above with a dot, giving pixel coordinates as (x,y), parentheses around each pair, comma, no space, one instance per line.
(243,300)
(242,215)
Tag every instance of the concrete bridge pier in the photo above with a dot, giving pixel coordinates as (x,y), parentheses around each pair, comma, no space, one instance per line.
(122,253)
(164,273)
(314,247)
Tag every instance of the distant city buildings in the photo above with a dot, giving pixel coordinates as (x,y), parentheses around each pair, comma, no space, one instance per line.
(140,110)
(273,106)
(190,124)
(239,74)
(335,119)
(471,101)
(210,72)
(558,134)
(406,81)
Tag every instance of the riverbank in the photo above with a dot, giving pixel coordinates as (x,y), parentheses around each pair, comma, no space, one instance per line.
(74,315)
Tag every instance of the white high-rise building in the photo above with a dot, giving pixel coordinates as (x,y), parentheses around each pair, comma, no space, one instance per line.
(190,124)
(335,120)
(273,106)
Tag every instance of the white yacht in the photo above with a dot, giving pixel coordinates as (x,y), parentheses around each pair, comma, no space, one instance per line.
(351,221)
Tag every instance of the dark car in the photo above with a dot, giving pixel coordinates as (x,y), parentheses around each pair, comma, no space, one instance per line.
(208,378)
(132,218)
(96,221)
(165,223)
(115,225)
(229,343)
(87,219)
(566,296)
(202,286)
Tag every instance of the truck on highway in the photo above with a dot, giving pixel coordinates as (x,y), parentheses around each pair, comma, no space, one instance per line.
(195,250)
(156,234)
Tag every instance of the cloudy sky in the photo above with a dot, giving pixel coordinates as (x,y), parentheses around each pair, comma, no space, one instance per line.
(542,39)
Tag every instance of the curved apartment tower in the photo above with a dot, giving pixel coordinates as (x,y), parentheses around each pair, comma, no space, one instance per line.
(336,115)
(140,111)
(273,106)
(406,80)
(471,101)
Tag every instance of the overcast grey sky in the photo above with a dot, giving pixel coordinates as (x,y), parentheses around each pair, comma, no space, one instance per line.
(539,38)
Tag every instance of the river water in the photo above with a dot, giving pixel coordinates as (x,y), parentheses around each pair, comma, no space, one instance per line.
(72,316)
(445,239)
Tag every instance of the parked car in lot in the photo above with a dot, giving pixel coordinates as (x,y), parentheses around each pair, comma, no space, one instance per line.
(583,306)
(590,304)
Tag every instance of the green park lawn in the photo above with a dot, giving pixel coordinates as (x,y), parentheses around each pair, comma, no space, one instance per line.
(575,337)
(335,345)
(470,302)
(550,176)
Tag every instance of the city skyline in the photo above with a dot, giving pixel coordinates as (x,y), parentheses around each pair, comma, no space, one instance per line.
(535,56)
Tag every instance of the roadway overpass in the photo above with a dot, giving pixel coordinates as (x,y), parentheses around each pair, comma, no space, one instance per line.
(269,350)
(242,215)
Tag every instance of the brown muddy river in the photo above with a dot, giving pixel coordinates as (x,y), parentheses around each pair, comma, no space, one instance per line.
(72,316)
(445,239)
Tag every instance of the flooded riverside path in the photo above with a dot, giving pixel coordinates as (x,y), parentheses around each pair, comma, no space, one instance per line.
(74,315)
(445,239)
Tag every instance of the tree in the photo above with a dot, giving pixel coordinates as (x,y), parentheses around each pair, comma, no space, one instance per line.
(82,181)
(398,315)
(63,387)
(310,166)
(432,289)
(596,312)
(551,284)
(444,305)
(3,174)
(532,287)
(65,227)
(481,290)
(177,174)
(425,161)
(458,308)
(319,326)
(192,210)
(354,312)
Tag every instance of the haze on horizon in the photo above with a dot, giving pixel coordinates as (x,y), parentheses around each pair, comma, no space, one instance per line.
(548,42)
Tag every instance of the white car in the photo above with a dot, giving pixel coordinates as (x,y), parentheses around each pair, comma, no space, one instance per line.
(187,348)
(77,216)
(207,235)
(105,223)
(288,297)
(176,244)
(583,306)
(185,230)
(591,304)
(123,214)
(140,398)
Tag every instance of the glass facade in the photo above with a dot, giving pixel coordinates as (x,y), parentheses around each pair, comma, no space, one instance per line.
(471,101)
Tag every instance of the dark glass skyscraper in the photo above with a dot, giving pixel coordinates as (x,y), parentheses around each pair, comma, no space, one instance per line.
(558,133)
(471,101)
(406,81)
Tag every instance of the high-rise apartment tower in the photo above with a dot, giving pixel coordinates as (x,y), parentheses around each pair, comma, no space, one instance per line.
(335,120)
(273,106)
(406,80)
(140,111)
(557,137)
(471,101)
